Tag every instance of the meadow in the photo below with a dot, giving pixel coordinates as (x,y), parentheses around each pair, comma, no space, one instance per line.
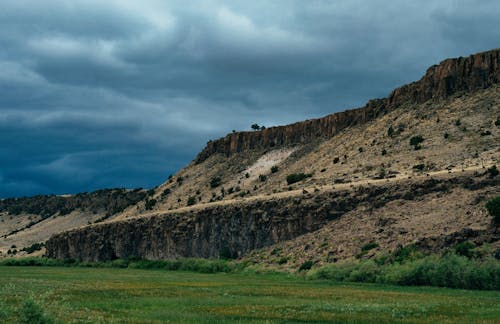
(116,295)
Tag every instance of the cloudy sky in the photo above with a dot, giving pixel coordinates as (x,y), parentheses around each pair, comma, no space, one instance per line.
(121,93)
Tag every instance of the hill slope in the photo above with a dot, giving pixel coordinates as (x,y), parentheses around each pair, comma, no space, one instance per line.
(410,168)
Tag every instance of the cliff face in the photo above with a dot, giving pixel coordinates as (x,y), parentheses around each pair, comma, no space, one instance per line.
(450,76)
(233,230)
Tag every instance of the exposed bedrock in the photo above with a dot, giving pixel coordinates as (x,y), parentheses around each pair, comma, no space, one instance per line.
(440,81)
(233,230)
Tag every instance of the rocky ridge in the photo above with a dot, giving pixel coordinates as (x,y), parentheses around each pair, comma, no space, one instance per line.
(440,81)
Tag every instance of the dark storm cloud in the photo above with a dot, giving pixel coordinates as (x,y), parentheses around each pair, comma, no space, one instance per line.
(121,93)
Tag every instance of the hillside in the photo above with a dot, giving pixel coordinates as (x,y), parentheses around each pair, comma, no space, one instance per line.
(32,220)
(453,108)
(412,169)
(409,169)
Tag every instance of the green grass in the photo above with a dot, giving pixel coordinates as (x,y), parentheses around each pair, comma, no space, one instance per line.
(77,294)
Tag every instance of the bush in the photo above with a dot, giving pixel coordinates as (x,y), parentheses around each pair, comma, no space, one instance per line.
(450,270)
(306,265)
(390,131)
(464,249)
(296,177)
(415,141)
(369,246)
(150,203)
(274,169)
(191,201)
(493,207)
(33,247)
(215,182)
(262,177)
(32,313)
(493,171)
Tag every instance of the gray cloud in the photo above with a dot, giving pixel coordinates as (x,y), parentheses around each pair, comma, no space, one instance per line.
(122,93)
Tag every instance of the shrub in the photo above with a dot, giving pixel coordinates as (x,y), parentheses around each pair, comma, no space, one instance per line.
(384,152)
(150,203)
(415,141)
(360,150)
(464,249)
(296,177)
(306,265)
(446,135)
(32,313)
(458,122)
(262,177)
(336,160)
(497,122)
(33,247)
(390,131)
(493,171)
(369,246)
(419,167)
(191,201)
(215,182)
(493,207)
(274,169)
(450,270)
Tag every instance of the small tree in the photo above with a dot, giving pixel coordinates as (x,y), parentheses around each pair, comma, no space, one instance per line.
(255,127)
(493,207)
(191,201)
(390,131)
(415,141)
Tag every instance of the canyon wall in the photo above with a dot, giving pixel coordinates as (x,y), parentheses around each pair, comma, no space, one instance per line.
(440,81)
(233,230)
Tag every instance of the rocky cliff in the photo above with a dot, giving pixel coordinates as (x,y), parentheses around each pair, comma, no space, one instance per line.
(233,230)
(450,76)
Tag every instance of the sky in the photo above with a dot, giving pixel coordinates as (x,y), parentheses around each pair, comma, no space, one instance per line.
(118,93)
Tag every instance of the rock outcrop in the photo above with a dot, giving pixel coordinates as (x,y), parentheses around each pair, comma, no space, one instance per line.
(440,81)
(233,230)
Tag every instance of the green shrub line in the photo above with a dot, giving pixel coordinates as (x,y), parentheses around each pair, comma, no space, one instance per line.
(408,268)
(450,270)
(183,264)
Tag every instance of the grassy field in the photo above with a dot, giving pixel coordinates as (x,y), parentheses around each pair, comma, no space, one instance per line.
(152,296)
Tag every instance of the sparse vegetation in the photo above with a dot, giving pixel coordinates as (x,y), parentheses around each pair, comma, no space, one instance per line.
(110,201)
(296,177)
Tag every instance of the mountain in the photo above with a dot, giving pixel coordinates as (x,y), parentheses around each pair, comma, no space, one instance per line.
(413,168)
